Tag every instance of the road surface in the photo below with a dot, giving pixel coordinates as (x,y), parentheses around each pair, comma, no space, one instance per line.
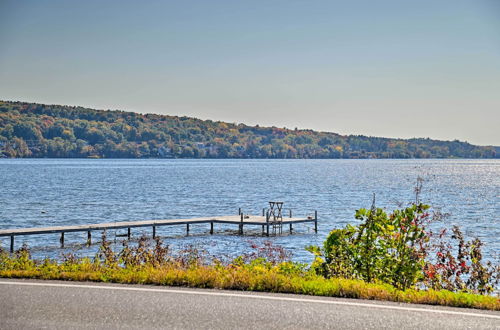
(28,304)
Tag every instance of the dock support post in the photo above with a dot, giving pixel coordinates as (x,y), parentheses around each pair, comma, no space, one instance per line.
(267,223)
(239,211)
(187,228)
(89,237)
(11,243)
(211,228)
(241,224)
(154,231)
(315,221)
(128,232)
(263,212)
(290,213)
(291,228)
(62,239)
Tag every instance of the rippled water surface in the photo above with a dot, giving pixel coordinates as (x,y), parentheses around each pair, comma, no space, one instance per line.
(46,192)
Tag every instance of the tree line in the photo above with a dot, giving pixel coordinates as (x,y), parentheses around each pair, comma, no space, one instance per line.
(39,130)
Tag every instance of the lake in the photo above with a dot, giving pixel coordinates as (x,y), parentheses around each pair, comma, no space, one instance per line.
(47,192)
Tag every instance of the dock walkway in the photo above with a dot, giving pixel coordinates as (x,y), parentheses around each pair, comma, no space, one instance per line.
(266,221)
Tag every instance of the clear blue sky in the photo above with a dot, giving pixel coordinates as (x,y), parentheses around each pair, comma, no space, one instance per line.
(381,68)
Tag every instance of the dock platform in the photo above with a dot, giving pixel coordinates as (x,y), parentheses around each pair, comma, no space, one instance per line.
(267,221)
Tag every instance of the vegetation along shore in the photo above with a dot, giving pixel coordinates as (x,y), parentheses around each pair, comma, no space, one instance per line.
(57,131)
(386,256)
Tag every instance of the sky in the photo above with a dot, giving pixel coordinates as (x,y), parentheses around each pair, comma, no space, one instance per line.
(379,68)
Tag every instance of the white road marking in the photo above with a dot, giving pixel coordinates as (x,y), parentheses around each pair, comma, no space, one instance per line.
(252,296)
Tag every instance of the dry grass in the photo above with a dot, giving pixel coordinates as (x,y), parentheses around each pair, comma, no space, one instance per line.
(254,275)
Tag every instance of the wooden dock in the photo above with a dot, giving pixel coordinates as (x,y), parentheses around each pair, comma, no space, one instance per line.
(268,223)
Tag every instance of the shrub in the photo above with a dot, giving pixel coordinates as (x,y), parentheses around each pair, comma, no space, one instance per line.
(398,249)
(458,265)
(389,248)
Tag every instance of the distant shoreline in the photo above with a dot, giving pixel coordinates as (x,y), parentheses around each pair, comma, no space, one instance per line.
(31,130)
(285,159)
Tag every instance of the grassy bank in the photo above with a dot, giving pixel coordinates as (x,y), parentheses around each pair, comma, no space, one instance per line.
(153,266)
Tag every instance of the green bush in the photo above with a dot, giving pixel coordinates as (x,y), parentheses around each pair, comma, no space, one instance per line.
(400,250)
(389,248)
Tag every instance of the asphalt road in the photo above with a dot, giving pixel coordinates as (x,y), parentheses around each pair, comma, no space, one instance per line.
(78,305)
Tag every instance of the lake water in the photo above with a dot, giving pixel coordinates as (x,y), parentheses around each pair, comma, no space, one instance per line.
(47,192)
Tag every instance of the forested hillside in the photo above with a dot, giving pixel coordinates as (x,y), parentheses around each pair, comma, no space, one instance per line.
(38,130)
